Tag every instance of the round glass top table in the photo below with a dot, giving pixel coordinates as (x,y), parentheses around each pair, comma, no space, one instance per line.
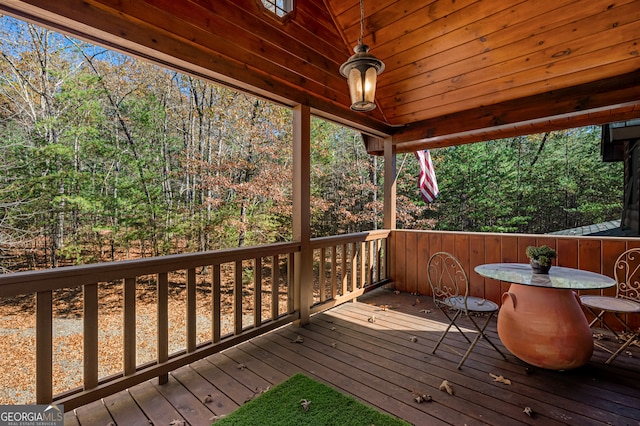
(541,320)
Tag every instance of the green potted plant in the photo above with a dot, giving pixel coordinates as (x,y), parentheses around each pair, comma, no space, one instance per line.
(540,258)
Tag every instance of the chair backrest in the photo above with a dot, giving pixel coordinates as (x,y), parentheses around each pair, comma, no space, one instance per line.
(627,274)
(446,276)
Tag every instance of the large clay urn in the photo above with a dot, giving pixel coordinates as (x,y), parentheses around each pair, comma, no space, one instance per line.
(545,327)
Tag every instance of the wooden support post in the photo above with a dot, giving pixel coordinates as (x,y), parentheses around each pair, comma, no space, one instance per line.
(389,185)
(303,260)
(390,178)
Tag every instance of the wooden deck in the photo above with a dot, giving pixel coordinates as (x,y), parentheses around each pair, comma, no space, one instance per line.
(378,363)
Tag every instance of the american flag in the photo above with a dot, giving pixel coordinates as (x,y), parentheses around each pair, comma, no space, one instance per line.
(427,180)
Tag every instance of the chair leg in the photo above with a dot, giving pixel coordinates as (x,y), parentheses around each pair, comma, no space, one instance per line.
(487,337)
(596,317)
(623,347)
(480,334)
(451,322)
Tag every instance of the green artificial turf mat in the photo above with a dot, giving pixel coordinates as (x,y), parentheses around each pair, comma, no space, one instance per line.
(281,406)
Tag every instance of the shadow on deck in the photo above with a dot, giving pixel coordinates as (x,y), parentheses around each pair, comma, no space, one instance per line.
(378,363)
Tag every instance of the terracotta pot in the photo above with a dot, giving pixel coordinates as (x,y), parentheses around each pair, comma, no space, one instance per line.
(545,327)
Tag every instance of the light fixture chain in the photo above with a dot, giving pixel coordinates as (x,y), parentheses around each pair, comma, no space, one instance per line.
(361,21)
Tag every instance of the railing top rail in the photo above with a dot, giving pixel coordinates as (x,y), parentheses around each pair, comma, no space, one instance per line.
(349,238)
(66,277)
(498,234)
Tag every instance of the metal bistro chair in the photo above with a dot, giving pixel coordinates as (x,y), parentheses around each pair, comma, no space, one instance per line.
(450,287)
(626,272)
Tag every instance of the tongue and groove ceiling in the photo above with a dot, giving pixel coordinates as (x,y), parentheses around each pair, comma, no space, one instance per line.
(457,71)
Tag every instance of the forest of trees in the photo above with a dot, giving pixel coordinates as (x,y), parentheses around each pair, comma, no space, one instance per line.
(106,157)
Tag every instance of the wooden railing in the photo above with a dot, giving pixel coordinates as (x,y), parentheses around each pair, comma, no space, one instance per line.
(242,303)
(410,250)
(346,266)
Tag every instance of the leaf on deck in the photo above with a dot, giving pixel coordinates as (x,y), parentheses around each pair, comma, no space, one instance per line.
(421,397)
(500,379)
(446,387)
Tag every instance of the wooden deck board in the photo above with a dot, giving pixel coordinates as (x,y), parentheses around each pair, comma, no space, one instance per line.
(477,389)
(94,413)
(339,377)
(187,404)
(520,392)
(377,363)
(155,406)
(124,410)
(216,400)
(235,390)
(256,365)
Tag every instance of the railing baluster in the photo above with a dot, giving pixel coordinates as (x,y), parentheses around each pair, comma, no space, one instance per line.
(215,304)
(237,299)
(371,247)
(191,310)
(344,270)
(379,261)
(163,322)
(334,275)
(44,351)
(257,292)
(90,338)
(129,340)
(363,264)
(322,279)
(290,287)
(275,288)
(354,266)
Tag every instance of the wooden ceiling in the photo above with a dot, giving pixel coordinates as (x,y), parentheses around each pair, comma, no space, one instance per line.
(457,71)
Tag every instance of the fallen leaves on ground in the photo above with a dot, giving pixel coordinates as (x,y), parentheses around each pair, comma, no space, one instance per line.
(298,339)
(305,403)
(446,387)
(500,379)
(372,318)
(528,411)
(413,339)
(216,418)
(421,397)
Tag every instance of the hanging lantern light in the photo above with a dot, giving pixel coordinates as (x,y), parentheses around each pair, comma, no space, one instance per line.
(361,71)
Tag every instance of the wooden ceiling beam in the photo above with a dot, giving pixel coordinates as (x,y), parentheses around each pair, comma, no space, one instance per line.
(582,105)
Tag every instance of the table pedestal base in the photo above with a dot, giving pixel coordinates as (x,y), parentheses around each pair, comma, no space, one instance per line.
(545,327)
